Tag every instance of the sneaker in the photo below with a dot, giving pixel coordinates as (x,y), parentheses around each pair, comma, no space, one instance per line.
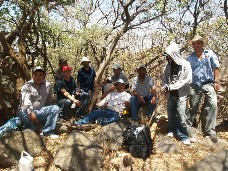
(170,134)
(214,138)
(186,142)
(193,140)
(53,136)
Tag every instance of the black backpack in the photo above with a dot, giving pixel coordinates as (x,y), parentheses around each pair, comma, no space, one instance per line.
(138,140)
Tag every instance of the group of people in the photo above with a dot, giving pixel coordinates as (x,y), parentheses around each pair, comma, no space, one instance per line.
(182,80)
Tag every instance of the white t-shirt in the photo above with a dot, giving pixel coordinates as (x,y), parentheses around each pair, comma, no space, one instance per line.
(115,101)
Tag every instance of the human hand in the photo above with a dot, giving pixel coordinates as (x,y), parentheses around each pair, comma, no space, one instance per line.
(33,118)
(153,100)
(165,88)
(77,102)
(216,86)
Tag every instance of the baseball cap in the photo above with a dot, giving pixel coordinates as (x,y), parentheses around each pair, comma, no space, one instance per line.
(38,68)
(120,81)
(62,60)
(117,66)
(85,59)
(141,66)
(66,68)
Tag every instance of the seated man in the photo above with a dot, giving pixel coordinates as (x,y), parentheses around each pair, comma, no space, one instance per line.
(143,92)
(67,94)
(112,106)
(109,84)
(35,104)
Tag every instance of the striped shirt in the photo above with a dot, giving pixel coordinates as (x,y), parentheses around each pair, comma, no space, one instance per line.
(144,89)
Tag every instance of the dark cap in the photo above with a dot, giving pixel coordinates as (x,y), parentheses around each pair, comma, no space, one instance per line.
(62,60)
(38,68)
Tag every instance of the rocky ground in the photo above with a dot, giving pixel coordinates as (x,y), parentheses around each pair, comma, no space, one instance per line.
(158,160)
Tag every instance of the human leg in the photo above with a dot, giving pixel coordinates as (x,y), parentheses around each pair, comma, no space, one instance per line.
(194,100)
(151,106)
(64,105)
(109,117)
(134,107)
(171,103)
(50,114)
(23,115)
(209,109)
(92,116)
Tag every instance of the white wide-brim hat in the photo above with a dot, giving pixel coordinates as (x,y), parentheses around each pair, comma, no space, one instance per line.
(198,38)
(85,59)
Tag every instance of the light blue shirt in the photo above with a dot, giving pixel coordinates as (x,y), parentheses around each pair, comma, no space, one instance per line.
(203,70)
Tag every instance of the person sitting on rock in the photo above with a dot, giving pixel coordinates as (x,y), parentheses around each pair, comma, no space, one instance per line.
(108,85)
(35,104)
(68,95)
(111,107)
(143,93)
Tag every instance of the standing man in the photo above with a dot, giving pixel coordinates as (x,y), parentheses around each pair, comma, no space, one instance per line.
(35,104)
(112,107)
(205,80)
(109,84)
(86,79)
(176,81)
(143,92)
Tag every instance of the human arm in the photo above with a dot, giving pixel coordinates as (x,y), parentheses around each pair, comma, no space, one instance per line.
(71,97)
(216,79)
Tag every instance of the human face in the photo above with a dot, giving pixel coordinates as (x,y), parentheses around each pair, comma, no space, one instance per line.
(86,64)
(116,71)
(141,72)
(120,87)
(197,45)
(38,77)
(67,74)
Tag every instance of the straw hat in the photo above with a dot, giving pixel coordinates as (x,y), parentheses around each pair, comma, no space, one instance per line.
(198,38)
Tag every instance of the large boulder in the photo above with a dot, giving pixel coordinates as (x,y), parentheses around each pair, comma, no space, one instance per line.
(13,143)
(79,153)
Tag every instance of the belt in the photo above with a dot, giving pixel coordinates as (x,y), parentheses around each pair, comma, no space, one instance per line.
(207,82)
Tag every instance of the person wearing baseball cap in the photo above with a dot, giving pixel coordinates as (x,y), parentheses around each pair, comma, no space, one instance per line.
(35,104)
(143,92)
(108,84)
(205,80)
(58,73)
(110,108)
(69,98)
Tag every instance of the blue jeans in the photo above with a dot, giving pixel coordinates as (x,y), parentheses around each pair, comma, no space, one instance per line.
(135,106)
(84,98)
(49,114)
(209,109)
(177,117)
(106,116)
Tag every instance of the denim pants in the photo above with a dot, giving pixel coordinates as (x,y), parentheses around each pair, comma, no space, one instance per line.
(135,106)
(177,117)
(107,116)
(49,114)
(209,109)
(84,98)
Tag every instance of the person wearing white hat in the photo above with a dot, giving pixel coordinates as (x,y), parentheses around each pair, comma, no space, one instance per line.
(176,79)
(111,107)
(109,83)
(205,80)
(86,80)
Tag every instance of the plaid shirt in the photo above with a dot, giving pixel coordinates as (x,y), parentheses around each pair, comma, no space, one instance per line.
(33,97)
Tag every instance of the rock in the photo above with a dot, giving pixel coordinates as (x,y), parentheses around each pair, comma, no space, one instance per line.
(217,161)
(13,143)
(166,144)
(79,153)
